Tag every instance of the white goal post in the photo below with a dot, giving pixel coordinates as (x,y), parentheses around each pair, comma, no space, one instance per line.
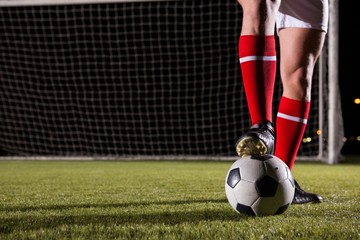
(102,79)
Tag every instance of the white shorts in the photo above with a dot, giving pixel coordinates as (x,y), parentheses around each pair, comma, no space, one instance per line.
(303,14)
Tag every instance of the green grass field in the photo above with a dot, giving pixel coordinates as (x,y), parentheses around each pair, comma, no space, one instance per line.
(165,200)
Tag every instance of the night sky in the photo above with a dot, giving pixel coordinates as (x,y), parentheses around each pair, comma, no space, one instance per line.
(349,48)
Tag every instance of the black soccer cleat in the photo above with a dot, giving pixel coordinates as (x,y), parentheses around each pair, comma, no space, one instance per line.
(301,197)
(259,140)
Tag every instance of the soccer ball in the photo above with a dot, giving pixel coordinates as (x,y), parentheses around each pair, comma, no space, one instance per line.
(259,185)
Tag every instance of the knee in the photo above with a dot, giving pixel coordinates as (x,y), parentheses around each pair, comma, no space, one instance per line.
(298,85)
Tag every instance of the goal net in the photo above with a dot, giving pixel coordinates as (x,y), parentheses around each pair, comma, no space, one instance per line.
(130,80)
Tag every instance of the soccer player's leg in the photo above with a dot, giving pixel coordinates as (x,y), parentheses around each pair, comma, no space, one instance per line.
(257,56)
(300,48)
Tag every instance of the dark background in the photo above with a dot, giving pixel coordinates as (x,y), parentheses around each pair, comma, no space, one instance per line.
(100,45)
(349,48)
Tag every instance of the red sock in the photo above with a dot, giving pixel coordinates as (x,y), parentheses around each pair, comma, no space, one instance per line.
(257,56)
(290,127)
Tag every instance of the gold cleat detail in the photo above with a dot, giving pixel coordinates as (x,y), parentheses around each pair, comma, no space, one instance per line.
(250,146)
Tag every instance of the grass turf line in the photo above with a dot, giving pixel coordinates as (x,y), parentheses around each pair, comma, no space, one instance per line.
(164,200)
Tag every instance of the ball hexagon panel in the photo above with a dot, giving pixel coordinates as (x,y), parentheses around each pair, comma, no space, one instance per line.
(276,169)
(245,193)
(267,206)
(251,169)
(286,189)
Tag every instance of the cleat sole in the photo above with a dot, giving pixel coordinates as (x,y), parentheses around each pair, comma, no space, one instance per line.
(250,146)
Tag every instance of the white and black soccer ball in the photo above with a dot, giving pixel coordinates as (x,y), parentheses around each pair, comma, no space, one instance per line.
(259,185)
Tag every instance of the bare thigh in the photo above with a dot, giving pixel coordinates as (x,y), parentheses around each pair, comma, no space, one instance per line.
(299,50)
